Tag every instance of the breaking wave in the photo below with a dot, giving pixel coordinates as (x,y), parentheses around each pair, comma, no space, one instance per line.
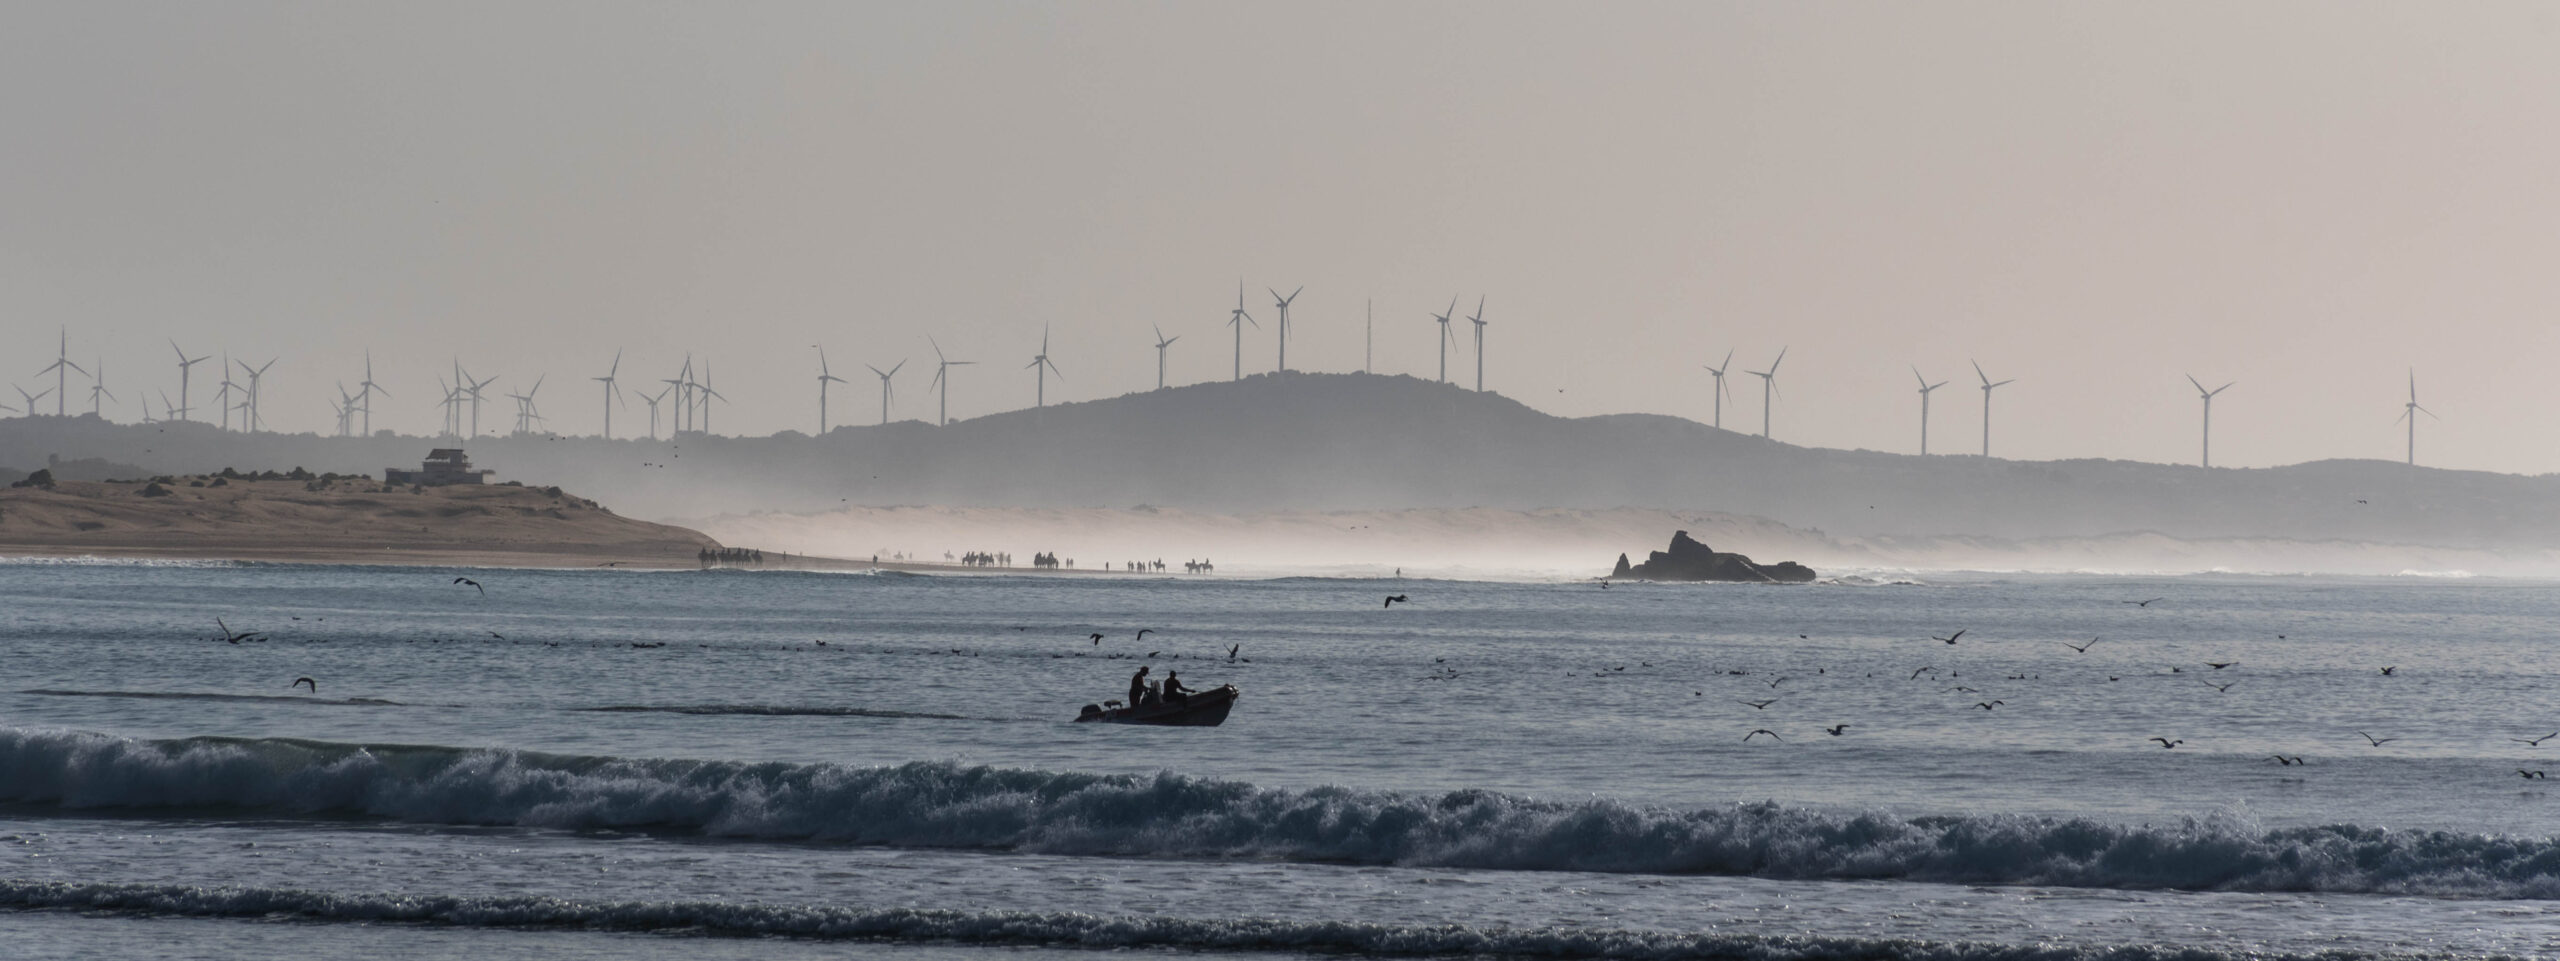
(957,806)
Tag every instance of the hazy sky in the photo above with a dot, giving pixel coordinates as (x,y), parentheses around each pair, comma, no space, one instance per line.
(2095,199)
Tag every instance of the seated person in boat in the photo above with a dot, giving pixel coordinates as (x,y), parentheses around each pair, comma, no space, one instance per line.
(1173,689)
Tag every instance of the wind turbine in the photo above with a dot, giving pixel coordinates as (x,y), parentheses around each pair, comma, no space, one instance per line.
(526,413)
(365,391)
(653,410)
(1042,368)
(885,391)
(1284,319)
(30,399)
(222,398)
(1987,385)
(612,391)
(824,376)
(1768,388)
(2410,413)
(185,406)
(1237,321)
(704,395)
(165,408)
(61,371)
(2208,413)
(1925,388)
(1446,338)
(98,387)
(1720,391)
(452,404)
(1478,320)
(473,389)
(682,384)
(941,374)
(345,407)
(1162,342)
(253,421)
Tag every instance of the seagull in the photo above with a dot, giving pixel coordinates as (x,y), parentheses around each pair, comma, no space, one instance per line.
(235,638)
(1097,640)
(2224,688)
(1951,638)
(2389,671)
(2533,775)
(2287,761)
(2376,741)
(1757,705)
(1988,705)
(2221,665)
(475,585)
(1392,599)
(2535,741)
(1143,632)
(1835,729)
(2147,603)
(2166,743)
(497,635)
(2082,648)
(1232,649)
(1756,732)
(1915,675)
(299,681)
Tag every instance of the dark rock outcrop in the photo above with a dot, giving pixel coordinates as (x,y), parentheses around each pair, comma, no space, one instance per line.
(1688,560)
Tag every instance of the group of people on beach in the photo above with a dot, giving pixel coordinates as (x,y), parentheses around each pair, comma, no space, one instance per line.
(730,555)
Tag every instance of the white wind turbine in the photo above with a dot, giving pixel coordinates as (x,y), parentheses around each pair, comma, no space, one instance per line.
(252,421)
(885,391)
(97,388)
(2208,414)
(1162,342)
(1283,324)
(1237,320)
(942,375)
(365,390)
(825,376)
(472,390)
(29,399)
(2410,413)
(185,405)
(704,395)
(682,384)
(61,368)
(1768,388)
(1478,319)
(1925,388)
(653,409)
(1446,338)
(527,414)
(612,391)
(1987,385)
(1041,368)
(1720,391)
(224,389)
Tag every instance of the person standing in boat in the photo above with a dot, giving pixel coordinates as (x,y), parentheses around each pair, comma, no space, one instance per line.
(1138,687)
(1174,692)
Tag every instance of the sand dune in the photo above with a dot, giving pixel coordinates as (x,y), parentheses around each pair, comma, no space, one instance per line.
(337,521)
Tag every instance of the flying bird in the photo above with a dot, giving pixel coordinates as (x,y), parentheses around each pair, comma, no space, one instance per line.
(2082,648)
(2533,775)
(1915,675)
(1097,639)
(1143,632)
(2224,688)
(2286,761)
(1756,732)
(1757,705)
(1233,648)
(1988,705)
(1392,599)
(1835,729)
(2390,671)
(2147,603)
(2166,743)
(1951,638)
(2221,665)
(235,638)
(299,681)
(475,585)
(2535,741)
(2376,741)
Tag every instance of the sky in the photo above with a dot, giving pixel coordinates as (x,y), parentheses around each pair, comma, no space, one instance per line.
(2095,199)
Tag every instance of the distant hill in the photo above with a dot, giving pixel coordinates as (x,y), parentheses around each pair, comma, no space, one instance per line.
(1360,442)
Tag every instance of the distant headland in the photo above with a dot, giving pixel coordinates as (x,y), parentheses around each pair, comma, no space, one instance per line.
(1689,560)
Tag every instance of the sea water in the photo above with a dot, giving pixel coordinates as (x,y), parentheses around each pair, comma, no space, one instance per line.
(706,765)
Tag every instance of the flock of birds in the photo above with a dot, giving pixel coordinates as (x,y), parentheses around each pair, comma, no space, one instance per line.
(1444,672)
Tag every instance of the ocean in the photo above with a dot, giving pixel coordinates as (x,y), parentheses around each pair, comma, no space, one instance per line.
(731,764)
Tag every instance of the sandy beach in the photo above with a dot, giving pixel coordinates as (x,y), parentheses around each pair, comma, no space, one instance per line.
(336,521)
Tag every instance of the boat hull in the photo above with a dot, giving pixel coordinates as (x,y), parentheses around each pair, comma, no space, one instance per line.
(1202,709)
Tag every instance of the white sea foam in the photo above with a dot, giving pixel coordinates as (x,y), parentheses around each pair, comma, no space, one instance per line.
(950,805)
(1072,929)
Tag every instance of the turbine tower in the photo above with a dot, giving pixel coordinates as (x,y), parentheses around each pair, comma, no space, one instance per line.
(2410,413)
(2208,414)
(526,413)
(885,392)
(1041,368)
(704,395)
(97,387)
(612,391)
(1237,321)
(1720,391)
(185,405)
(251,420)
(1768,388)
(942,374)
(365,391)
(222,396)
(824,376)
(1446,338)
(653,409)
(1478,320)
(1987,385)
(473,389)
(1925,388)
(1162,342)
(29,399)
(682,384)
(1284,320)
(61,371)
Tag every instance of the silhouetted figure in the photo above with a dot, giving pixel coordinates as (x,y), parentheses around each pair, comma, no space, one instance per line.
(1173,689)
(1137,686)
